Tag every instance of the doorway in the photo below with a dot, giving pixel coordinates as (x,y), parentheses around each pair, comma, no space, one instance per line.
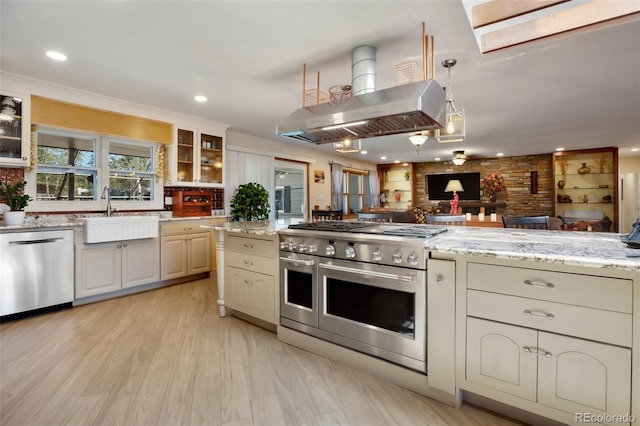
(290,192)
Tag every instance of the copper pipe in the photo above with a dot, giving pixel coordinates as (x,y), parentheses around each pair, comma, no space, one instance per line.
(304,81)
(433,61)
(425,47)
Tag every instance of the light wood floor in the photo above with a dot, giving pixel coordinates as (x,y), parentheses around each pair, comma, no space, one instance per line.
(164,357)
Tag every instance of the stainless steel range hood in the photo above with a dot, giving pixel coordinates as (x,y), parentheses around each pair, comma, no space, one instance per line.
(402,109)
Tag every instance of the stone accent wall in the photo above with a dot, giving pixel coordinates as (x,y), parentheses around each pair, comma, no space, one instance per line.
(517,176)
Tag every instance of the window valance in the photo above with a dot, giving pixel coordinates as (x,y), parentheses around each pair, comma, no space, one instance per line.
(56,113)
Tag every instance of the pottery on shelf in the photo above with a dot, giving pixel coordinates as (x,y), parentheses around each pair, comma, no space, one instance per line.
(584,169)
(560,184)
(493,197)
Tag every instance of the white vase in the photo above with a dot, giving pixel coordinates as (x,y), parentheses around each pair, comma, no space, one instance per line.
(14,217)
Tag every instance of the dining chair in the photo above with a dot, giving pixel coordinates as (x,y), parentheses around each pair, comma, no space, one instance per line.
(446,219)
(324,215)
(526,222)
(375,216)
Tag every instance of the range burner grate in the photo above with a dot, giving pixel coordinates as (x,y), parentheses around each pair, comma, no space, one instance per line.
(333,225)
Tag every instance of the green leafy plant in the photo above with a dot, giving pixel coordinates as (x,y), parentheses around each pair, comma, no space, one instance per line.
(14,196)
(251,202)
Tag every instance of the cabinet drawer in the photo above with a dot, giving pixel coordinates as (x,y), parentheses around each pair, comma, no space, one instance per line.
(613,294)
(183,227)
(263,265)
(588,323)
(254,246)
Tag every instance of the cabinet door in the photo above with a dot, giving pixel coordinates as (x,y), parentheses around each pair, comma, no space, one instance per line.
(98,269)
(583,376)
(496,357)
(173,257)
(251,293)
(199,253)
(14,130)
(140,262)
(441,282)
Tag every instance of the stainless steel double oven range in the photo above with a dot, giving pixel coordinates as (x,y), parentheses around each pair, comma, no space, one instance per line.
(360,285)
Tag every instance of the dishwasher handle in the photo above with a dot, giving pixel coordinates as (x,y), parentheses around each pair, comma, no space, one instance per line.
(42,241)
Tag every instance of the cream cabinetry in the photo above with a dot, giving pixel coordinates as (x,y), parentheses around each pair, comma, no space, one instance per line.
(106,267)
(14,130)
(555,339)
(251,275)
(185,249)
(197,157)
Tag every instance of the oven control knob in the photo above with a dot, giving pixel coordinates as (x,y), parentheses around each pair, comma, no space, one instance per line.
(396,257)
(350,252)
(312,248)
(283,245)
(376,256)
(302,247)
(292,246)
(412,259)
(330,250)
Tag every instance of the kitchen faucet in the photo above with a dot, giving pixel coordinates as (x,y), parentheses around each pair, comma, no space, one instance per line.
(108,191)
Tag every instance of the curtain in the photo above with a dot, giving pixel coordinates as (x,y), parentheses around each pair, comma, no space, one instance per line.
(337,178)
(374,187)
(242,168)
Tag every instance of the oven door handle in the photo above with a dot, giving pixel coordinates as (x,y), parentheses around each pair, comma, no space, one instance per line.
(396,277)
(298,261)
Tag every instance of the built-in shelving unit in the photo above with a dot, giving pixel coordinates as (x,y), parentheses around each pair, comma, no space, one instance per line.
(396,185)
(586,189)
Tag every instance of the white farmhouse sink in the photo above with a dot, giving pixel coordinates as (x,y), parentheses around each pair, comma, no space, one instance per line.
(117,228)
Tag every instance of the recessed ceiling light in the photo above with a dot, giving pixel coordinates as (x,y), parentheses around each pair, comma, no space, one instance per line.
(560,149)
(396,161)
(56,55)
(200,98)
(437,158)
(635,149)
(500,154)
(383,158)
(363,152)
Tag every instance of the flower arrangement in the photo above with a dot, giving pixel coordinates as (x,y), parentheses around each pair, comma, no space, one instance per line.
(493,183)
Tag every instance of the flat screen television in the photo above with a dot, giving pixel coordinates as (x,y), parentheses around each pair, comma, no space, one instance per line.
(437,183)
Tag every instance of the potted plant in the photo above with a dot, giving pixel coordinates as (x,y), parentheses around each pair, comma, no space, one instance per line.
(492,184)
(251,202)
(14,197)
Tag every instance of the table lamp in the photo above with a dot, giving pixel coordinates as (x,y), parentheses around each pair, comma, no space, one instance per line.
(454,185)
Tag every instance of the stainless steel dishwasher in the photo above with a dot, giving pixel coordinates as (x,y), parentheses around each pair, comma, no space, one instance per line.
(36,270)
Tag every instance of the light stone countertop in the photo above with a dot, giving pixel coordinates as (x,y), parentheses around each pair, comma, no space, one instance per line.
(258,227)
(70,220)
(591,249)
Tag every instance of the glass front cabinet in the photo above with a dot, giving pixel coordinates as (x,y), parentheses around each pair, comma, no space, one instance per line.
(14,131)
(196,158)
(586,189)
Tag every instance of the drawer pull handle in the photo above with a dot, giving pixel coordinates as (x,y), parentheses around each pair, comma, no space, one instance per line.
(248,262)
(539,284)
(248,282)
(538,314)
(537,352)
(439,280)
(247,245)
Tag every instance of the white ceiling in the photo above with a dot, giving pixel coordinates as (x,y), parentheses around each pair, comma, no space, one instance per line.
(575,91)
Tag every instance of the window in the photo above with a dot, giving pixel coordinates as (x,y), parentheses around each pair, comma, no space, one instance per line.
(66,167)
(131,174)
(356,190)
(72,169)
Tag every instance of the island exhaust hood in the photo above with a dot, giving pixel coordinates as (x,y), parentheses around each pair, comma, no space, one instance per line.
(408,108)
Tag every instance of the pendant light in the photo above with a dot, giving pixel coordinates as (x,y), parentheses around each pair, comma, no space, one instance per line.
(454,129)
(348,145)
